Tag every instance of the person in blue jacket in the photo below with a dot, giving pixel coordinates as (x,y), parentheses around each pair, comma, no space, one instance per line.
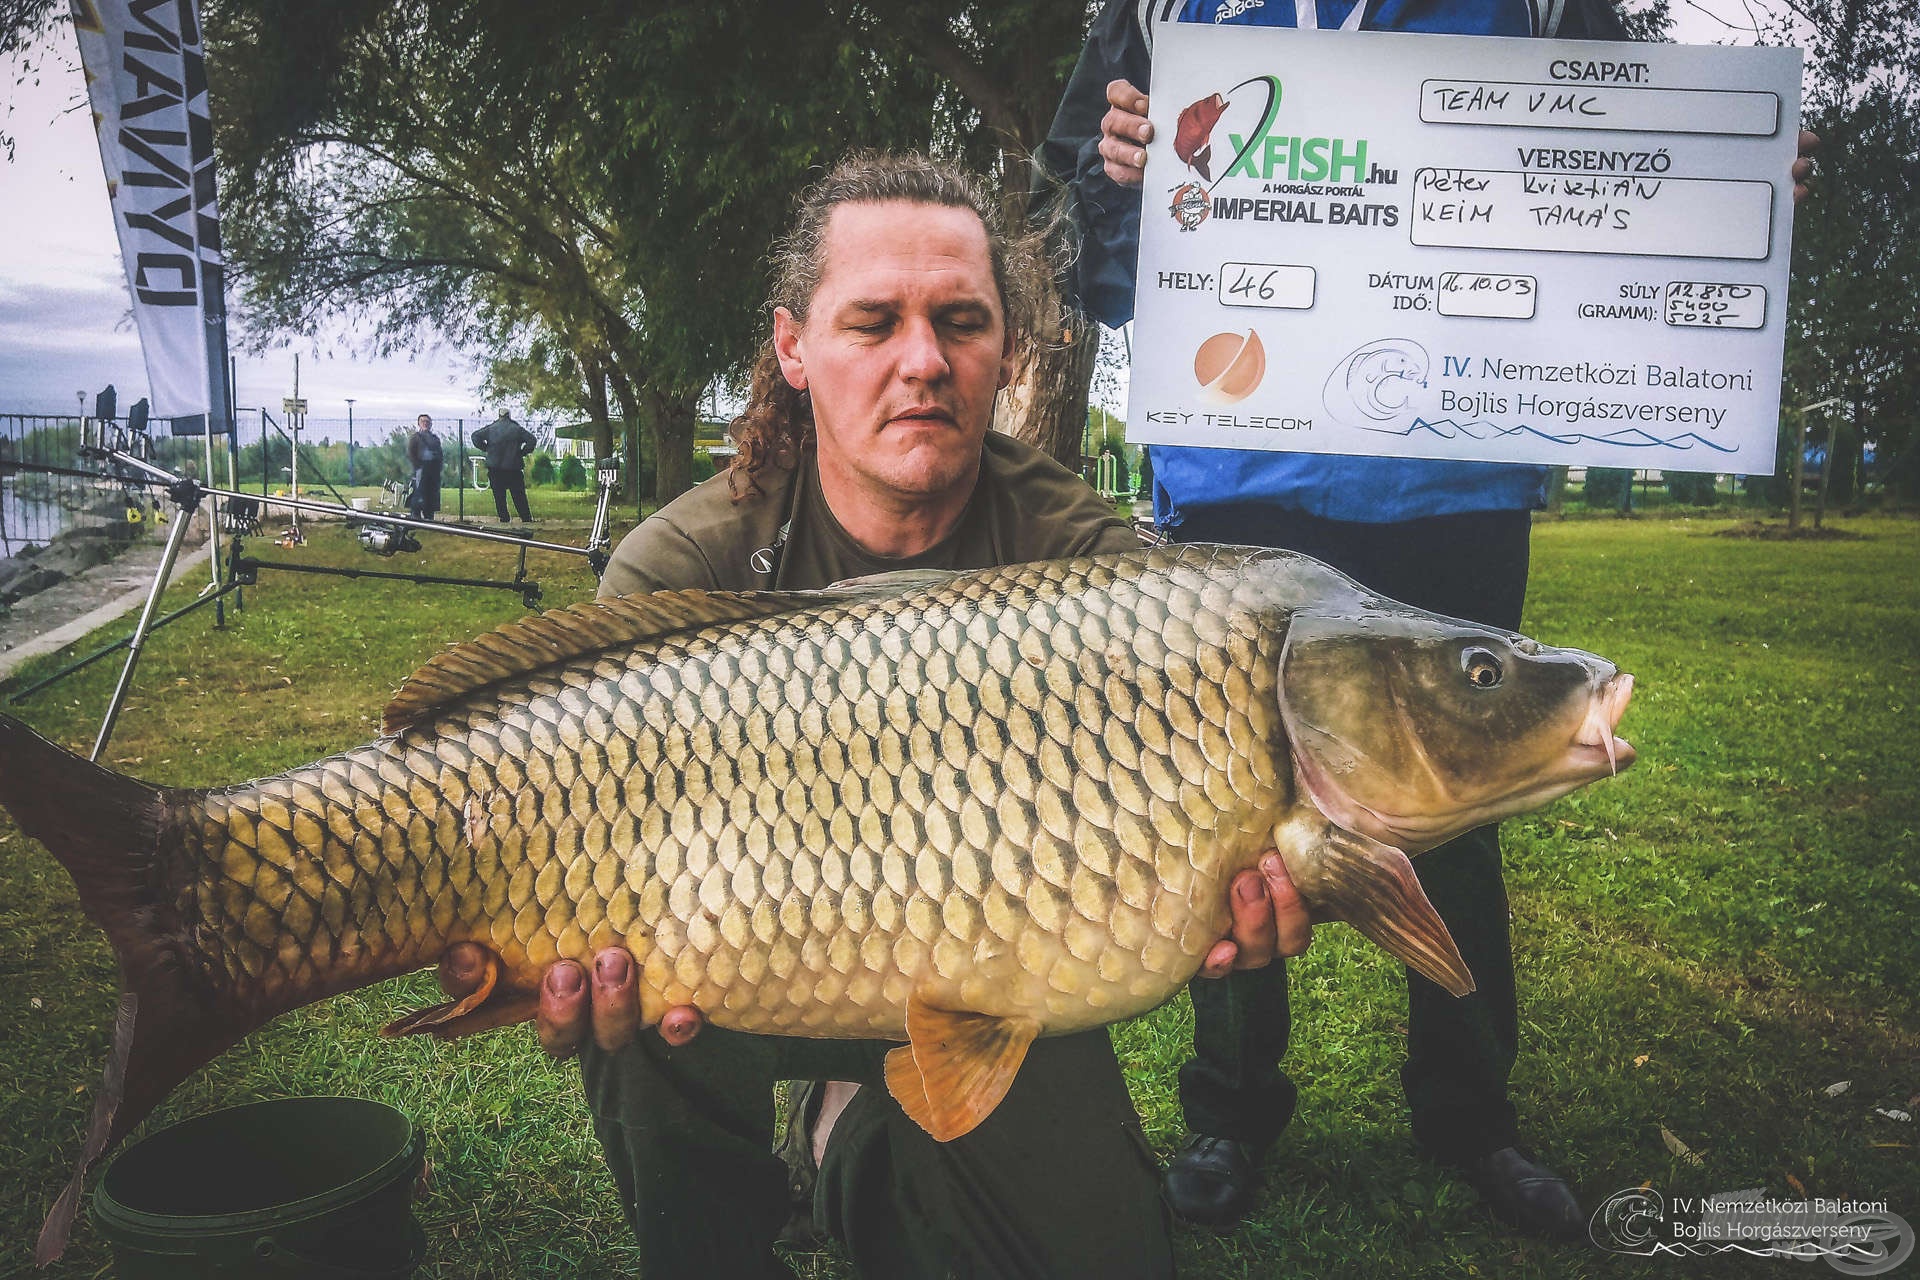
(1447,536)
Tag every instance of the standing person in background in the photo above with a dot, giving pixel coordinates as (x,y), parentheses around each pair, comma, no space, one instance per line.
(424,452)
(507,445)
(1447,536)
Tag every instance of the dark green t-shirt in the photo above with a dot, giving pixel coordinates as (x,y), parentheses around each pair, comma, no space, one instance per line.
(1025,506)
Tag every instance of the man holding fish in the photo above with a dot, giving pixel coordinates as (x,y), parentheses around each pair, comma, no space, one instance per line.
(927,831)
(866,449)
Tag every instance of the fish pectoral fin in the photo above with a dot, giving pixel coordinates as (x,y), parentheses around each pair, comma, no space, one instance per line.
(487,1006)
(956,1066)
(1372,887)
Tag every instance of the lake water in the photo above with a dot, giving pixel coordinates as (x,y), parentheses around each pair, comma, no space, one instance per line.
(28,522)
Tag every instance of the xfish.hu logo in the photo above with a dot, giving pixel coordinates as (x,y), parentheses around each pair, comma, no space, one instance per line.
(1240,126)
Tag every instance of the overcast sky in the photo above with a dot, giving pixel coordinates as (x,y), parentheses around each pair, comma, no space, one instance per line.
(65,321)
(65,324)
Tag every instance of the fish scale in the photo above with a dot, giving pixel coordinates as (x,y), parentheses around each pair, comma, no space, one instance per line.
(971,793)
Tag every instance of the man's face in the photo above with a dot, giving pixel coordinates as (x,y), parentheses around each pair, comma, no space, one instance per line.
(423,423)
(903,348)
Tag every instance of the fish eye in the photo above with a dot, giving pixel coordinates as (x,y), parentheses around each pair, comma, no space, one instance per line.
(1482,668)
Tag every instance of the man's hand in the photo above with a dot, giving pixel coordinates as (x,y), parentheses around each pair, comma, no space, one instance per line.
(1270,921)
(571,1007)
(1125,133)
(1803,168)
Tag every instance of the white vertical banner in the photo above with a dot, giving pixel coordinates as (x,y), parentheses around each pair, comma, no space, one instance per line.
(147,80)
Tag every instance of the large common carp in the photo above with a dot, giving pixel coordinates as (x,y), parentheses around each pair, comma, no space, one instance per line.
(959,810)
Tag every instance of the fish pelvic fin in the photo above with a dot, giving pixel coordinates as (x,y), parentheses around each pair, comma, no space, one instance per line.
(108,830)
(488,1005)
(956,1066)
(1372,886)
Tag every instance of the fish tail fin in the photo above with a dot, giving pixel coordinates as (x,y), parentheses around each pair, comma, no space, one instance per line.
(1372,886)
(106,830)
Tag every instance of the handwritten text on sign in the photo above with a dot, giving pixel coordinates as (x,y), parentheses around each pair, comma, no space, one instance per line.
(1453,247)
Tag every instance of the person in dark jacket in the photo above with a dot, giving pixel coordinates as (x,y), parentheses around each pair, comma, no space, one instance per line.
(1443,535)
(426,455)
(507,445)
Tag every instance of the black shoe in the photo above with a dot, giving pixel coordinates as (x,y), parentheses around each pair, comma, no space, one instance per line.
(1212,1181)
(1526,1195)
(795,1150)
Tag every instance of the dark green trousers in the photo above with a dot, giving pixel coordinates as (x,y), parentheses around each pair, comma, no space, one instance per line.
(1058,1182)
(1460,1052)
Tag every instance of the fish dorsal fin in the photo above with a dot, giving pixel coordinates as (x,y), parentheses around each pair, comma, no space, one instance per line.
(587,627)
(956,1066)
(896,582)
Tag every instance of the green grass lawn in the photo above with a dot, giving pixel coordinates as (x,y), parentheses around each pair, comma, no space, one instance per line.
(1704,944)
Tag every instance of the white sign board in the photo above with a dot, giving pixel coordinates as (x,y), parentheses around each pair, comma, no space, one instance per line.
(1559,252)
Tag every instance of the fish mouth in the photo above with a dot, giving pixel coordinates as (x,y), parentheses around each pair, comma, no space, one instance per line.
(1595,752)
(1596,739)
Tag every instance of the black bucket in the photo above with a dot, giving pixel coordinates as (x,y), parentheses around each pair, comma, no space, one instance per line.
(296,1187)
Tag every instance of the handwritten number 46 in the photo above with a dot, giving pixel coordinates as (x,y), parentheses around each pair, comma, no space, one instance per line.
(1246,282)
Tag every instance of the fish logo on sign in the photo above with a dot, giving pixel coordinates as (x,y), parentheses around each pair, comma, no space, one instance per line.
(1193,144)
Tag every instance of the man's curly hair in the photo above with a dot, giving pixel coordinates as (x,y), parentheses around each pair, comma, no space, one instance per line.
(778,420)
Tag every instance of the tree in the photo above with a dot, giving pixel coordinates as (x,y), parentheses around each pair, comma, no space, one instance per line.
(747,102)
(460,165)
(22,22)
(437,176)
(445,168)
(1853,324)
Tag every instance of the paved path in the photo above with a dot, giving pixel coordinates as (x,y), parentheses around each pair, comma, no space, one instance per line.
(63,613)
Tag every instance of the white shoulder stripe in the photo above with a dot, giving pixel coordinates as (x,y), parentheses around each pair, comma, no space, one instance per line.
(1146,13)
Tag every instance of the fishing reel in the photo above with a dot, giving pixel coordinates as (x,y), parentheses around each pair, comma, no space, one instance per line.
(387,539)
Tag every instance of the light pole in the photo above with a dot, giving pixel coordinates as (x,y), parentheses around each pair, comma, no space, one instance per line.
(349,441)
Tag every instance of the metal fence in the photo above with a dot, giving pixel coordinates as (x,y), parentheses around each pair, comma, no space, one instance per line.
(36,507)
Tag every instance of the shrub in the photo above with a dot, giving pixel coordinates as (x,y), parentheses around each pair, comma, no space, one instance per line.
(1692,488)
(1608,488)
(573,473)
(541,470)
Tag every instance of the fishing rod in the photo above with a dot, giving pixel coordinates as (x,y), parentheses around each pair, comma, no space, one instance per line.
(187,493)
(160,475)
